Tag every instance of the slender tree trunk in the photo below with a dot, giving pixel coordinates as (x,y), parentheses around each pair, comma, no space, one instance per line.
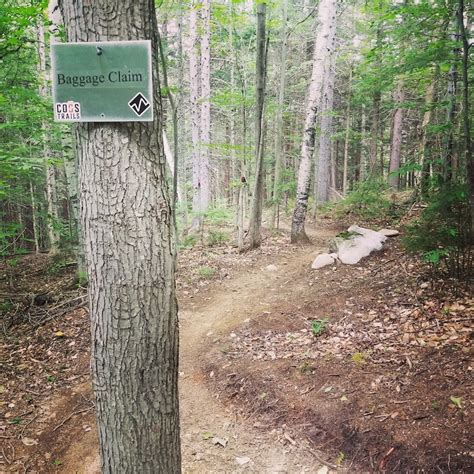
(128,229)
(426,164)
(396,142)
(171,158)
(466,117)
(358,155)
(374,129)
(324,39)
(374,134)
(333,154)
(346,136)
(255,224)
(364,164)
(279,116)
(450,116)
(50,169)
(34,218)
(205,100)
(171,161)
(71,171)
(234,176)
(324,161)
(194,81)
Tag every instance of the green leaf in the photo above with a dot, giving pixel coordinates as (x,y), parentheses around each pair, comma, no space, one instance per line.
(15,421)
(457,401)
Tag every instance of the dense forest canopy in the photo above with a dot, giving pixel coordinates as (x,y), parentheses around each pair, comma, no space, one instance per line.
(388,89)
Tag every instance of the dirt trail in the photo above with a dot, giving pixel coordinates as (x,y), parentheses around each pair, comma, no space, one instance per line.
(208,320)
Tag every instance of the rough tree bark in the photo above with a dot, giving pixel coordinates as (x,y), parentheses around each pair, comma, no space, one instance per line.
(127,223)
(324,37)
(255,224)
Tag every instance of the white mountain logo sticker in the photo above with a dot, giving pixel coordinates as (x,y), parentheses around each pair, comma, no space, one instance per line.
(139,104)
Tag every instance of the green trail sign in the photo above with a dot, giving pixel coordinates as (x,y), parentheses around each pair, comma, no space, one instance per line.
(102,82)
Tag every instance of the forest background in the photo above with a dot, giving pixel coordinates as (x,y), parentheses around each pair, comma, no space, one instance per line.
(285,105)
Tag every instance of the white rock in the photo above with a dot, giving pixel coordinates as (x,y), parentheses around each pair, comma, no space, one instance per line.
(323,260)
(352,250)
(389,232)
(241,461)
(220,441)
(271,268)
(29,441)
(322,470)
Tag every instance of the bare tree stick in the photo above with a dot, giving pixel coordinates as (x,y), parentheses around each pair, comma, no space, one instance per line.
(71,415)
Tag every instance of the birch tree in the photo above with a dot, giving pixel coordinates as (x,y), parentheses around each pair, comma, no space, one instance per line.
(127,224)
(324,38)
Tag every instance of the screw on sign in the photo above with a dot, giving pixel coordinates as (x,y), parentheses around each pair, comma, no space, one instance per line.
(139,104)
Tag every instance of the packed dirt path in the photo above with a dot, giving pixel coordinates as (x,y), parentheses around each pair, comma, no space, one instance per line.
(205,423)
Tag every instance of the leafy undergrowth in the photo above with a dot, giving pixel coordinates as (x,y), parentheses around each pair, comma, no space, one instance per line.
(375,369)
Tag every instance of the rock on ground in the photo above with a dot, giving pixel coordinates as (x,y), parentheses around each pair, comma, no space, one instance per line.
(389,232)
(351,251)
(323,260)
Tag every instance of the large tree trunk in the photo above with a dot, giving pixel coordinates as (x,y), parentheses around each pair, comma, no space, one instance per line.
(324,40)
(396,142)
(255,224)
(279,118)
(127,223)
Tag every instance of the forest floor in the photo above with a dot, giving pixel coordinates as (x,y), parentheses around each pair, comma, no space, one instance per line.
(362,368)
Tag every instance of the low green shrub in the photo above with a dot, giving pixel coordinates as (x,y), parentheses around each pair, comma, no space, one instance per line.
(318,326)
(442,234)
(188,241)
(218,215)
(217,237)
(206,272)
(368,200)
